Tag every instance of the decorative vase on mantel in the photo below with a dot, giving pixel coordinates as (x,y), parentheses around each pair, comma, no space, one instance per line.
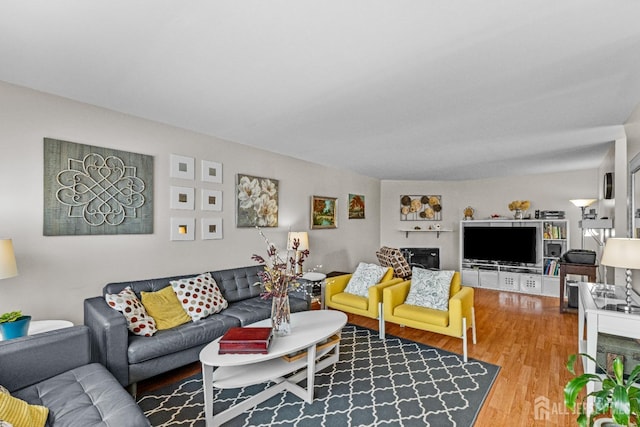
(518,214)
(280,315)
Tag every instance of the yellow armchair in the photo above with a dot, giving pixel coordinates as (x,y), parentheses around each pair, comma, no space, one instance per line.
(455,322)
(371,306)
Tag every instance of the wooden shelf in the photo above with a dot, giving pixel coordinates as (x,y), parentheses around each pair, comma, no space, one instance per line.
(406,232)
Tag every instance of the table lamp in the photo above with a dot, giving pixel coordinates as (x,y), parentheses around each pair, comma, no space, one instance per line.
(623,253)
(303,239)
(8,267)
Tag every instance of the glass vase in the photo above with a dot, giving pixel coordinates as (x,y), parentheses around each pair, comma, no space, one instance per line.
(280,315)
(518,214)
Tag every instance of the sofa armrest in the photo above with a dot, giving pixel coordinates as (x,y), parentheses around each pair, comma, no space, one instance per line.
(395,295)
(375,292)
(335,285)
(109,337)
(460,306)
(34,358)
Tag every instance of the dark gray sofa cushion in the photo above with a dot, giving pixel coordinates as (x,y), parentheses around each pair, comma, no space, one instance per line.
(177,339)
(83,397)
(238,284)
(255,309)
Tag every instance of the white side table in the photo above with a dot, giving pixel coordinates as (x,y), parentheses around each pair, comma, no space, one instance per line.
(40,326)
(314,277)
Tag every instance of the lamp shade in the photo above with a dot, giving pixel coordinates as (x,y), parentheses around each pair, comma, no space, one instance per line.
(8,267)
(622,253)
(302,236)
(582,203)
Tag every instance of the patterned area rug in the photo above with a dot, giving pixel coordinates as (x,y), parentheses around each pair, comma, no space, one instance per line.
(394,382)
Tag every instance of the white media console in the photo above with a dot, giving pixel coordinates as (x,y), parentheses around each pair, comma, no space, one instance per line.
(539,275)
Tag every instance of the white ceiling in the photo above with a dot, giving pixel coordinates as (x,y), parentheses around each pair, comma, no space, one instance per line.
(393,89)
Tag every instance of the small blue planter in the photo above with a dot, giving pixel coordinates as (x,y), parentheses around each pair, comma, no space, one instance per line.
(16,329)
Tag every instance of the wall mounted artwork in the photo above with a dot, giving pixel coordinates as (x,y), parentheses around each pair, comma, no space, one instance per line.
(183,229)
(211,200)
(211,228)
(211,172)
(257,201)
(420,208)
(181,167)
(94,190)
(324,212)
(181,198)
(356,206)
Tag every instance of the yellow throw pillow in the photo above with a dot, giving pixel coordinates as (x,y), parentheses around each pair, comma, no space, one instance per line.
(20,414)
(165,308)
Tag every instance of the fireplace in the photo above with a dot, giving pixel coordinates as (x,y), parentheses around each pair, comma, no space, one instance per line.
(425,257)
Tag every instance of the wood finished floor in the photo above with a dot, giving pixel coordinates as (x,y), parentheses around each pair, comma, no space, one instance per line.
(523,334)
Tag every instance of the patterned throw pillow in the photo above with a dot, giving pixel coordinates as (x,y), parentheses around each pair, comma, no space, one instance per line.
(199,296)
(127,303)
(365,276)
(430,288)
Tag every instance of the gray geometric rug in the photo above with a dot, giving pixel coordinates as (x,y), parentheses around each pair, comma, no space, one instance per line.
(395,382)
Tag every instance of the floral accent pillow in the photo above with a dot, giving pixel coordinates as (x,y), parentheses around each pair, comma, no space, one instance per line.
(127,303)
(430,288)
(365,276)
(199,296)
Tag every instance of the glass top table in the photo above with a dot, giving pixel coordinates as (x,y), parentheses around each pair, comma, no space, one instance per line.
(607,297)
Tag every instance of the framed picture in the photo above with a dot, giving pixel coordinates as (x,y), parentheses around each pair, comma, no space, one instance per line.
(181,167)
(182,198)
(183,229)
(211,172)
(356,206)
(323,212)
(211,228)
(420,208)
(211,200)
(256,201)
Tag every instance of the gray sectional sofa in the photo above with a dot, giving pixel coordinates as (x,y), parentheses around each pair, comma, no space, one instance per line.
(132,358)
(54,369)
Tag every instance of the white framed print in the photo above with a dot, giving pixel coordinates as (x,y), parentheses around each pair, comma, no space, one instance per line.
(183,229)
(182,198)
(211,172)
(211,200)
(181,167)
(211,228)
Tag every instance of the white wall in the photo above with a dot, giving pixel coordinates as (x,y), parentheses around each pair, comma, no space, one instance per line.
(487,197)
(632,130)
(57,273)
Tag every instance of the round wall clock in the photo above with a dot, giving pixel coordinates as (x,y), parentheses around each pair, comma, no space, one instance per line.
(607,185)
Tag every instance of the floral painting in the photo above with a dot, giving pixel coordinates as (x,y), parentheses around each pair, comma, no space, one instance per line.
(417,208)
(323,212)
(356,206)
(257,201)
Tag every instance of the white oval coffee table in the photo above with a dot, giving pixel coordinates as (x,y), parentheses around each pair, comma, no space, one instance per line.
(308,328)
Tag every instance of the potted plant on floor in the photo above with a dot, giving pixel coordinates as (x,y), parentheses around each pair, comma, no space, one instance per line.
(13,325)
(618,397)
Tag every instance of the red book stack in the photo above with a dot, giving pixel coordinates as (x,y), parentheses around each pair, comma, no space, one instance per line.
(246,341)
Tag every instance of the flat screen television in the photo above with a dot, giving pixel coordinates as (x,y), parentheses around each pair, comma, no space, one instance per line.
(505,244)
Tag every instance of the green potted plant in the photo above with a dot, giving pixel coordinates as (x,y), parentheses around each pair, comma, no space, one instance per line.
(13,325)
(618,397)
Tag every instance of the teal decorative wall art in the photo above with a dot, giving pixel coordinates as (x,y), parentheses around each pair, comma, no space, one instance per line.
(94,190)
